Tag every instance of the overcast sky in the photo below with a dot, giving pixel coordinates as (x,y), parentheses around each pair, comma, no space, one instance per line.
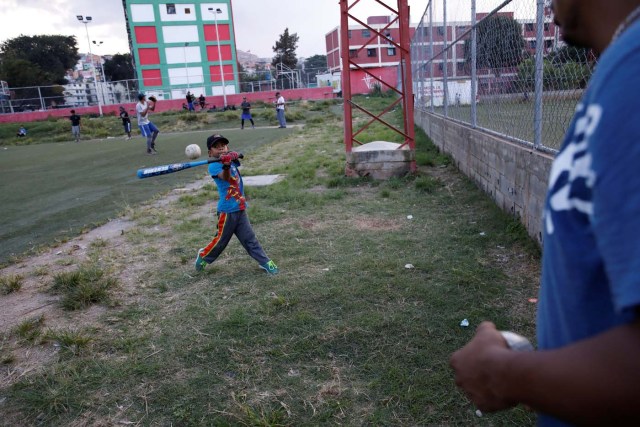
(258,23)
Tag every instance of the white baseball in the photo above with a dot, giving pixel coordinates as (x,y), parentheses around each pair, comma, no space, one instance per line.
(192,151)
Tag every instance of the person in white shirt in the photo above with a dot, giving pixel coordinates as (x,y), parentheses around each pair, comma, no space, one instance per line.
(280,110)
(148,129)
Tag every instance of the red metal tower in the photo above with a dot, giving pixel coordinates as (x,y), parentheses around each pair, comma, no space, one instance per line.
(405,90)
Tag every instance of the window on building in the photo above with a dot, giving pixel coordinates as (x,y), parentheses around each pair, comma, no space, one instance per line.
(529,27)
(424,32)
(460,66)
(391,51)
(187,11)
(371,52)
(366,33)
(441,66)
(546,26)
(171,8)
(441,31)
(349,34)
(353,53)
(532,44)
(548,44)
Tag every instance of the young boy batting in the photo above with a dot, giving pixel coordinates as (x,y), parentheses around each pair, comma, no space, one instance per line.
(232,214)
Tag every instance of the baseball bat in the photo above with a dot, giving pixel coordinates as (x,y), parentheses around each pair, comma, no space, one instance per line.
(174,167)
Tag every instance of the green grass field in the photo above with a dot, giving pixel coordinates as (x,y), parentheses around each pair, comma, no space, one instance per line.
(53,191)
(344,335)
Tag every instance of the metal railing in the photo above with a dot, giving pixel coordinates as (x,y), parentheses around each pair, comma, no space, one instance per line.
(504,71)
(81,93)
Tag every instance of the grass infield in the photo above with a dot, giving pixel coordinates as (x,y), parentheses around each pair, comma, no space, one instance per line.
(53,191)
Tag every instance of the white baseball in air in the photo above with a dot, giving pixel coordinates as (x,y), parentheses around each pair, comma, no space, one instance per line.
(192,151)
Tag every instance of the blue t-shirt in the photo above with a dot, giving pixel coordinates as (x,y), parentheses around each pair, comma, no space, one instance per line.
(231,193)
(591,257)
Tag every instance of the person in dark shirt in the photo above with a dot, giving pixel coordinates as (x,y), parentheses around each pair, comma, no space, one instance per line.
(246,113)
(126,121)
(190,98)
(75,125)
(202,101)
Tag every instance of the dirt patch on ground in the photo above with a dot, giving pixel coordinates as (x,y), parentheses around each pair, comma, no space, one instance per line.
(34,299)
(369,223)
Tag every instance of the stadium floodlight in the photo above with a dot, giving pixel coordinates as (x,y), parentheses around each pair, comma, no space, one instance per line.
(215,18)
(85,20)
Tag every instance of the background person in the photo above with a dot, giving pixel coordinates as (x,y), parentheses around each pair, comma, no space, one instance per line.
(232,205)
(280,110)
(75,125)
(126,121)
(202,101)
(587,369)
(246,113)
(147,128)
(22,132)
(190,101)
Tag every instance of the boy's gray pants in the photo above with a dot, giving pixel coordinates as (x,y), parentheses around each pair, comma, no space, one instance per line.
(229,224)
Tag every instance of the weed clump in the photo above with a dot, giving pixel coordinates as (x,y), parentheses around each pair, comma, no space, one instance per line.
(83,287)
(30,329)
(10,284)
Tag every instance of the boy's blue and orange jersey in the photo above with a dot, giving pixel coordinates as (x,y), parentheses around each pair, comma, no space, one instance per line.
(231,193)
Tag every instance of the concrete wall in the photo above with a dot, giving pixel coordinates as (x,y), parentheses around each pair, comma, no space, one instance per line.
(290,95)
(516,177)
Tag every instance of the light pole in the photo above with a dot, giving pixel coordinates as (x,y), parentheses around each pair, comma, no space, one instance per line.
(186,69)
(104,78)
(85,20)
(215,18)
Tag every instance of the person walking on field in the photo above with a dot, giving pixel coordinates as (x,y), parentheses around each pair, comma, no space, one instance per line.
(126,121)
(246,113)
(189,98)
(147,128)
(587,369)
(75,125)
(280,110)
(232,209)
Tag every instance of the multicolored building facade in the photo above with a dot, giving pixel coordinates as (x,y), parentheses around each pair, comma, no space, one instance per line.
(183,46)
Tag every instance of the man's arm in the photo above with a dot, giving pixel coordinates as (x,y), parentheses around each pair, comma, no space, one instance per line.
(592,382)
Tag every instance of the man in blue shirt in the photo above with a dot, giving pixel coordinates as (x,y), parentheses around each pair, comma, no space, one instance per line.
(232,205)
(587,369)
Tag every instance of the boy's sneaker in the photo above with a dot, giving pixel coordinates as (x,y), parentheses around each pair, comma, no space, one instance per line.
(270,267)
(200,262)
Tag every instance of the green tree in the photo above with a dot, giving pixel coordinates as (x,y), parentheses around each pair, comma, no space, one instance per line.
(312,66)
(37,61)
(500,43)
(559,76)
(53,55)
(119,67)
(285,51)
(567,54)
(316,63)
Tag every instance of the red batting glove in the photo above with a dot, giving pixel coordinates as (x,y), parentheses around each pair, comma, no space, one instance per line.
(226,158)
(233,155)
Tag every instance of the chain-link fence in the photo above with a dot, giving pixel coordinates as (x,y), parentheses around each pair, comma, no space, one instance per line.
(87,92)
(503,70)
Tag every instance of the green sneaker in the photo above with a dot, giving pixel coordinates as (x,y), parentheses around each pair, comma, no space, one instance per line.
(270,267)
(200,262)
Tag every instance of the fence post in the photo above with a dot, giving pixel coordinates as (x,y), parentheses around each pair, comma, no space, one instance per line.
(126,82)
(539,76)
(42,106)
(431,50)
(474,63)
(445,68)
